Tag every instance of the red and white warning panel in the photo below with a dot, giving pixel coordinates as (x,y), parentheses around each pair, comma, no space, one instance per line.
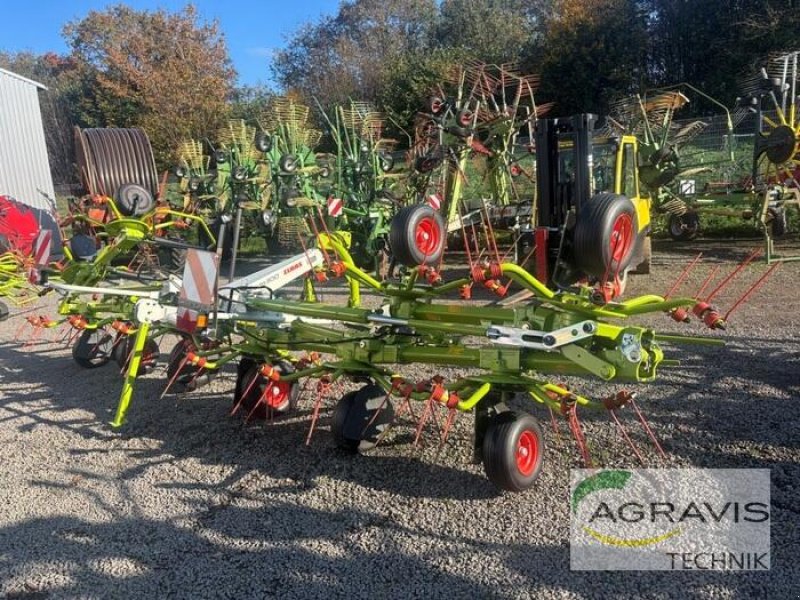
(335,206)
(197,292)
(42,247)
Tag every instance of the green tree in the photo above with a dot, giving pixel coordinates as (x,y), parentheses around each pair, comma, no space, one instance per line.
(168,73)
(593,51)
(352,54)
(492,31)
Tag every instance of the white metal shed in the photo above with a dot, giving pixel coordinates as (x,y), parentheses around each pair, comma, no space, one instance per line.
(24,167)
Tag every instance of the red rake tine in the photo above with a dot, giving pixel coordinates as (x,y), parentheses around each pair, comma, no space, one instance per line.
(452,413)
(625,435)
(422,421)
(649,431)
(733,274)
(174,377)
(577,433)
(707,280)
(554,425)
(751,291)
(377,412)
(238,405)
(314,413)
(684,274)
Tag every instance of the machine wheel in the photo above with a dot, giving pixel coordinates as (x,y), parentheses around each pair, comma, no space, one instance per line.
(263,141)
(685,227)
(279,397)
(605,234)
(360,418)
(417,235)
(134,201)
(150,355)
(3,311)
(513,451)
(288,163)
(83,247)
(338,419)
(93,348)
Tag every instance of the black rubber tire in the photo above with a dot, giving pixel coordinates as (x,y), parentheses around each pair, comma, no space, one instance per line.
(356,423)
(593,232)
(338,419)
(288,163)
(246,371)
(409,232)
(263,141)
(3,311)
(83,247)
(150,355)
(685,227)
(134,201)
(503,444)
(92,349)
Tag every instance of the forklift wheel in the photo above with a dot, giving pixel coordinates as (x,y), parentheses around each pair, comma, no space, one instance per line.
(605,235)
(260,398)
(417,235)
(513,451)
(685,227)
(361,417)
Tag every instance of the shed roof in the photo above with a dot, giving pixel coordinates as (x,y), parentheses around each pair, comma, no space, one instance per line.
(21,78)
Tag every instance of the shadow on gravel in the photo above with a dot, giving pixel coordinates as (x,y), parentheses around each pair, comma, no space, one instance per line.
(279,552)
(54,383)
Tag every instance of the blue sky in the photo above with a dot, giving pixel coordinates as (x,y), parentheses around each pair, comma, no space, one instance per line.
(253,29)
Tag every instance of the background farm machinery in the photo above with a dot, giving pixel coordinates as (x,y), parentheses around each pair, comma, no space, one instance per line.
(742,163)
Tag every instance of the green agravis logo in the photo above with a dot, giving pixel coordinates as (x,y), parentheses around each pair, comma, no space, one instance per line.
(606,480)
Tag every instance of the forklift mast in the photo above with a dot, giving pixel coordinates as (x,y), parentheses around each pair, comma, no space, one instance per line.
(563,167)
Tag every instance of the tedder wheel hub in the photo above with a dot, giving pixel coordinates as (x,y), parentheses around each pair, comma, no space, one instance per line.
(621,237)
(527,452)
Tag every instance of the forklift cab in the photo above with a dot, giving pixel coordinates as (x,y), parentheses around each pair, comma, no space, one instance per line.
(591,218)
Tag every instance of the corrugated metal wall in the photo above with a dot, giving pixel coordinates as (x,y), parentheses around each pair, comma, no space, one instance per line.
(24,168)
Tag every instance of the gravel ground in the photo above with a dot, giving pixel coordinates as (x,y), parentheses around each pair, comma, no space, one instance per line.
(189,502)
